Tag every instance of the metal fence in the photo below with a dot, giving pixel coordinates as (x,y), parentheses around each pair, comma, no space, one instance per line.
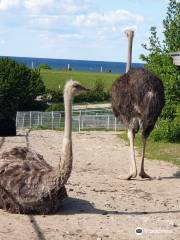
(81,120)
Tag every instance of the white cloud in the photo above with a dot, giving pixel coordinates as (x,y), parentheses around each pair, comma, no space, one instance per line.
(38,5)
(75,6)
(57,6)
(70,36)
(6,4)
(42,21)
(107,18)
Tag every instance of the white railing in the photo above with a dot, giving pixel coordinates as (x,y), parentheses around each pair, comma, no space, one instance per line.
(81,120)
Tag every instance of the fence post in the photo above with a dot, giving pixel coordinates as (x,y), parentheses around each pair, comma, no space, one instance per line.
(115,127)
(52,117)
(30,118)
(17,118)
(108,122)
(79,120)
(38,120)
(23,120)
(41,118)
(60,120)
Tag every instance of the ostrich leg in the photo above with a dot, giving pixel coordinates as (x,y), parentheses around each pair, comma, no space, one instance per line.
(133,168)
(142,171)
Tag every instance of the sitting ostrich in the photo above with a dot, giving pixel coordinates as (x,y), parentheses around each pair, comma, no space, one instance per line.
(30,185)
(137,101)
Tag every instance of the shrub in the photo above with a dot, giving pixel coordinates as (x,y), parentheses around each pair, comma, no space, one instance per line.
(55,107)
(160,63)
(96,94)
(54,96)
(168,130)
(44,66)
(19,85)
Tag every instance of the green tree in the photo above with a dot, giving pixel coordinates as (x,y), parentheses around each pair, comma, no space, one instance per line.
(172,26)
(19,86)
(159,61)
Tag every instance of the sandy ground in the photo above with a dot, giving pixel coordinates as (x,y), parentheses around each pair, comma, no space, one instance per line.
(100,205)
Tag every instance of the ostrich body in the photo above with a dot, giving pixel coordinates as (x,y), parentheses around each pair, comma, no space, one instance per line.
(137,101)
(30,185)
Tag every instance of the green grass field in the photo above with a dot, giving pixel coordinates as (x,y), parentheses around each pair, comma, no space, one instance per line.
(157,150)
(54,78)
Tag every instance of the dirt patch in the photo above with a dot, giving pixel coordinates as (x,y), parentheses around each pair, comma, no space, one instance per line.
(100,205)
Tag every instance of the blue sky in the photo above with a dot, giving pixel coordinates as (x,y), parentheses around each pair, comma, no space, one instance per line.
(77,29)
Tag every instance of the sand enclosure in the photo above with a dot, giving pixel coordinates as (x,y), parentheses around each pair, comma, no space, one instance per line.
(100,205)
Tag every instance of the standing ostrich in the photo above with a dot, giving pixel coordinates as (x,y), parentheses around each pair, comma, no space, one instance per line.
(137,100)
(30,185)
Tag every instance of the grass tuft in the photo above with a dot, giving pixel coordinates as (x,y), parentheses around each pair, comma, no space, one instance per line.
(157,150)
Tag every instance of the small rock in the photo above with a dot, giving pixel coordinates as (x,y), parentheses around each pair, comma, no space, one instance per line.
(106,235)
(71,189)
(104,213)
(158,178)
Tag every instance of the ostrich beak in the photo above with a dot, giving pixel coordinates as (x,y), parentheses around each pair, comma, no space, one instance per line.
(83,89)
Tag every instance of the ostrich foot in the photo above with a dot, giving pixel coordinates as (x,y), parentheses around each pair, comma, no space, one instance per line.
(128,177)
(131,175)
(142,174)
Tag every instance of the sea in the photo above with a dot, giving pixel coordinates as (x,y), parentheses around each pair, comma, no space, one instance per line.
(75,65)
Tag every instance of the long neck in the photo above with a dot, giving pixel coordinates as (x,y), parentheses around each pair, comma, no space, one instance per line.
(130,35)
(68,116)
(67,156)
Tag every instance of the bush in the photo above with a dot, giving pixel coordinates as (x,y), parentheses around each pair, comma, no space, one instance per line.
(55,107)
(54,96)
(19,85)
(34,106)
(96,94)
(44,66)
(168,130)
(160,62)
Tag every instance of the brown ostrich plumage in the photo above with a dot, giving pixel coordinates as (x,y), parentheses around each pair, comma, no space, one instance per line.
(137,101)
(28,184)
(24,176)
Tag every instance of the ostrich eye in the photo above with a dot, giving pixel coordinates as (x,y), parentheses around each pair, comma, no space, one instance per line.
(77,86)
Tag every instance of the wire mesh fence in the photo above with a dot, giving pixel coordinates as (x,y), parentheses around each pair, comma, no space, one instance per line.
(81,120)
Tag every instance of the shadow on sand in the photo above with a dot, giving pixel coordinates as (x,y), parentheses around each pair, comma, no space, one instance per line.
(175,175)
(79,206)
(37,229)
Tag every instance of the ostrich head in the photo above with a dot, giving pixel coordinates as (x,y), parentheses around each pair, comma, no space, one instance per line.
(129,33)
(73,88)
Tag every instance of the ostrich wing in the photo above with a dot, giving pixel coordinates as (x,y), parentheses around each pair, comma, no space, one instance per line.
(25,177)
